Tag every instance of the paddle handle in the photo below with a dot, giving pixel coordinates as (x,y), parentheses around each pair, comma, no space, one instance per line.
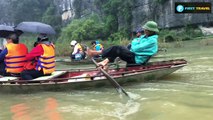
(111,80)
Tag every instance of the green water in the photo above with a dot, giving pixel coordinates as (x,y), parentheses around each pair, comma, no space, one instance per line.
(186,94)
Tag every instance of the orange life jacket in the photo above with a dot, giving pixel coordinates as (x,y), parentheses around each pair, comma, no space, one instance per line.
(15,58)
(46,62)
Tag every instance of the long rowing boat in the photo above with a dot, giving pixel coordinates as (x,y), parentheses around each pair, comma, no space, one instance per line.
(67,61)
(81,79)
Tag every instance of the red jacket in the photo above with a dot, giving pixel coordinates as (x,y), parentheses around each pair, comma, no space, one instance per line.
(35,52)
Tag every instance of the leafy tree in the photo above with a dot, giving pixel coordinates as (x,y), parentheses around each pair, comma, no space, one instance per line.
(51,17)
(113,11)
(35,10)
(83,29)
(28,10)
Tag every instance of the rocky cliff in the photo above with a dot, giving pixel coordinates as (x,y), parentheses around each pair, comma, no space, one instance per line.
(161,11)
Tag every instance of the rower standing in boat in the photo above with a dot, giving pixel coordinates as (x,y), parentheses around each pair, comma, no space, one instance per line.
(44,52)
(14,56)
(141,48)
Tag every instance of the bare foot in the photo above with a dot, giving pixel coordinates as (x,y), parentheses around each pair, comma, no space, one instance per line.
(104,62)
(106,68)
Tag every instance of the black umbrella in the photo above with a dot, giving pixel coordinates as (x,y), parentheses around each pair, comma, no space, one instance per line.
(35,27)
(6,30)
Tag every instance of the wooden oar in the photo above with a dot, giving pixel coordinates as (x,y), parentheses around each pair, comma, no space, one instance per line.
(111,80)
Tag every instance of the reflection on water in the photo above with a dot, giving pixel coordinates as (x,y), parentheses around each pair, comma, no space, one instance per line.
(186,94)
(51,109)
(20,111)
(48,111)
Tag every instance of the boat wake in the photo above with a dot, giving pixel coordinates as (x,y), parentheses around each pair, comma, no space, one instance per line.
(123,110)
(104,107)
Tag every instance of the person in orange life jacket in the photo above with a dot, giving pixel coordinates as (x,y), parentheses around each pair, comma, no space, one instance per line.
(31,65)
(44,52)
(78,52)
(14,56)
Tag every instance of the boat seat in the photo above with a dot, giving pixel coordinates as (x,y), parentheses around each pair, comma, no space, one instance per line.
(53,75)
(145,62)
(8,78)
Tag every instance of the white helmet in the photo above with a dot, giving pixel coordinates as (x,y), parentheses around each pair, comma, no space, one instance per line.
(73,42)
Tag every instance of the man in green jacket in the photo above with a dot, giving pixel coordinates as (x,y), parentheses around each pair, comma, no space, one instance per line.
(141,48)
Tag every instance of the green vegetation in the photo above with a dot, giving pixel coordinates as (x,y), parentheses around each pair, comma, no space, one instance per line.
(105,26)
(28,10)
(28,40)
(34,10)
(167,38)
(187,33)
(51,17)
(178,35)
(83,29)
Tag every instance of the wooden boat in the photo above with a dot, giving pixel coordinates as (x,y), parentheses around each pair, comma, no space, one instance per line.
(82,79)
(67,61)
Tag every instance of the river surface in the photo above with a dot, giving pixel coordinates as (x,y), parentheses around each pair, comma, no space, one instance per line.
(186,94)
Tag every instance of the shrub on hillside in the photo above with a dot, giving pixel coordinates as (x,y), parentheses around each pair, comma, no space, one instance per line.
(85,29)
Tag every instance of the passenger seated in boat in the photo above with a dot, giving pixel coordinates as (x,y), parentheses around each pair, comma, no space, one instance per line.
(2,66)
(97,46)
(78,53)
(141,48)
(139,32)
(14,56)
(30,65)
(44,53)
